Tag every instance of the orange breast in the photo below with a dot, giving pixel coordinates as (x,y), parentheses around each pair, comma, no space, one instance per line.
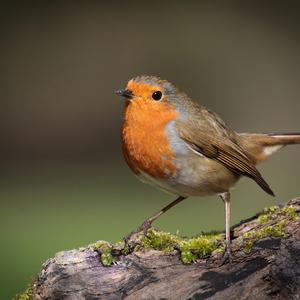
(145,144)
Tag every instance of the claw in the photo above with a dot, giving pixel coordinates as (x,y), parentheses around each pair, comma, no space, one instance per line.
(141,229)
(227,257)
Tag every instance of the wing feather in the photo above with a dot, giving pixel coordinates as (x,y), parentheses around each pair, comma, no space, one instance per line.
(222,148)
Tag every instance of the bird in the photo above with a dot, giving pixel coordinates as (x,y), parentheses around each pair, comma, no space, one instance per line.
(183,148)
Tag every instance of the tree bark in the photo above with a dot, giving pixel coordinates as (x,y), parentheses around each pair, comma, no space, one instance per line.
(269,270)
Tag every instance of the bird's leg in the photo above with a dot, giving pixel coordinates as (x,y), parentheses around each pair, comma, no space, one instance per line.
(226,199)
(147,223)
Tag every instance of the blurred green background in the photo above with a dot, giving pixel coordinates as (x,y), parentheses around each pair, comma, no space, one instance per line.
(63,182)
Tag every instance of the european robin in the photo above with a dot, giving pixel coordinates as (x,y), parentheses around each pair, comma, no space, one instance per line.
(186,149)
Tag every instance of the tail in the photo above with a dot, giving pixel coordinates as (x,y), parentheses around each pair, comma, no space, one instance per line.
(260,146)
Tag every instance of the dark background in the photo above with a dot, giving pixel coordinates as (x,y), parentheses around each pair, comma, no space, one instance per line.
(63,181)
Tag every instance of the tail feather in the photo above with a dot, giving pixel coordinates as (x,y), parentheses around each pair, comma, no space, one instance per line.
(285,138)
(260,146)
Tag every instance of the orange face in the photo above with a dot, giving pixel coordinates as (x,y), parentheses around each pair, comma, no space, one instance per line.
(145,143)
(142,91)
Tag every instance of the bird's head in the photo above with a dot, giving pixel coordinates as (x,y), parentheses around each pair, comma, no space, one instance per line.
(153,91)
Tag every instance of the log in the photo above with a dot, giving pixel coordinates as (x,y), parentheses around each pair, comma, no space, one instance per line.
(265,265)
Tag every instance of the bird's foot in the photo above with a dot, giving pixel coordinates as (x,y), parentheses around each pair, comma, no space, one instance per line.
(227,256)
(141,230)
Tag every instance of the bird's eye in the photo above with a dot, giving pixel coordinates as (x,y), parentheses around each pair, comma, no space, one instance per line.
(157,95)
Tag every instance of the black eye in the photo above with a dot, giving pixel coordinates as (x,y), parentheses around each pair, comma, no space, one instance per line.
(157,95)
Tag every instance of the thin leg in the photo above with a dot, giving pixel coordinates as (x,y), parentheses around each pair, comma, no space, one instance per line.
(147,223)
(226,199)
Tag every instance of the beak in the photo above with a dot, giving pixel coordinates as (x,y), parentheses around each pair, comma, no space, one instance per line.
(125,93)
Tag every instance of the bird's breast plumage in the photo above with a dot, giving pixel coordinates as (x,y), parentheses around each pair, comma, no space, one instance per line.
(146,146)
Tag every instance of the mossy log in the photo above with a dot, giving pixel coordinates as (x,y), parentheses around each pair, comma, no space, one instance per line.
(266,265)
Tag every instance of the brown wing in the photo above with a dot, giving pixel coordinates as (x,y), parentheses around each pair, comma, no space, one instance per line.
(222,149)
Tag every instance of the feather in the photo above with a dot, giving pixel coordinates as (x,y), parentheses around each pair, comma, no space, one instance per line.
(219,144)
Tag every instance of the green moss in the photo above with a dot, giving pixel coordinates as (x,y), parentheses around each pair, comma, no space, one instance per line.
(277,212)
(107,259)
(271,209)
(273,212)
(268,214)
(159,240)
(105,248)
(275,230)
(199,247)
(290,212)
(272,221)
(190,249)
(27,295)
(248,245)
(268,227)
(202,246)
(264,218)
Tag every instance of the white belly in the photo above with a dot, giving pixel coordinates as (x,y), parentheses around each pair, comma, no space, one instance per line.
(194,178)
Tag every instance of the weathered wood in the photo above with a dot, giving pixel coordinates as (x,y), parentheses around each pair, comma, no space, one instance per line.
(271,270)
